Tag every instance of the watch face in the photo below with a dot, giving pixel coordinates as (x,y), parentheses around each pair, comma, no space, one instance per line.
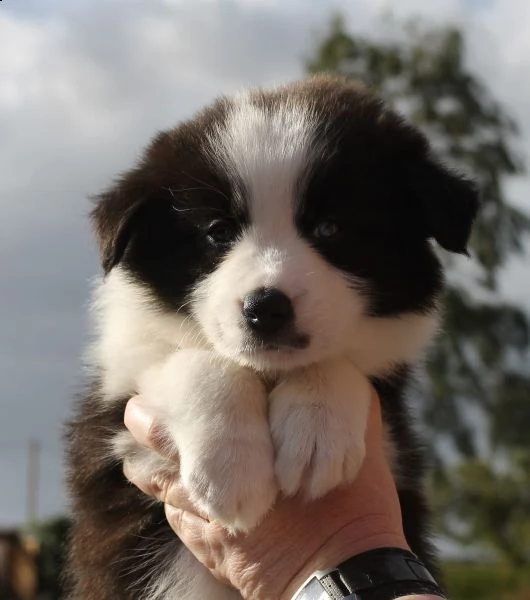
(313,591)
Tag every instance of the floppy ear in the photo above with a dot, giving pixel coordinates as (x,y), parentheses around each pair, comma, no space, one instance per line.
(447,202)
(117,209)
(113,218)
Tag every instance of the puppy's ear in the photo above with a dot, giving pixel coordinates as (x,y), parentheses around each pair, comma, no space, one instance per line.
(117,210)
(447,203)
(113,218)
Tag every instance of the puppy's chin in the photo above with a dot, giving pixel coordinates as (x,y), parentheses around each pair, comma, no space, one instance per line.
(270,358)
(274,360)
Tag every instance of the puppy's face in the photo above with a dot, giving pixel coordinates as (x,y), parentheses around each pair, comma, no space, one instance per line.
(290,226)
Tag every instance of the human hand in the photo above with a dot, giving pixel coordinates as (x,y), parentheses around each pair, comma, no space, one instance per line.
(296,538)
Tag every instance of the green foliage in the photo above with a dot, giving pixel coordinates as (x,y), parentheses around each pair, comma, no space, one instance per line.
(478,405)
(52,536)
(486,582)
(493,507)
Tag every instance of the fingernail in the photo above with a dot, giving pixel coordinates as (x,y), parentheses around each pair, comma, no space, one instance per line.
(138,419)
(127,470)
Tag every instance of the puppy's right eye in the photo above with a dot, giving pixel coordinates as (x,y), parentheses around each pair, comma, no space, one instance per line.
(327,230)
(221,232)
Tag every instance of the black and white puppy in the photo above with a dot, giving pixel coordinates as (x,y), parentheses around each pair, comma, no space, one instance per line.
(264,263)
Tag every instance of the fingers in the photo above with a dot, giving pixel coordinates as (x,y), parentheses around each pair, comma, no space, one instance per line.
(146,430)
(158,484)
(207,541)
(139,421)
(163,484)
(375,411)
(186,523)
(374,426)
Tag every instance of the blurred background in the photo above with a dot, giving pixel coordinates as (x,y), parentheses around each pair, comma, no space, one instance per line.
(83,86)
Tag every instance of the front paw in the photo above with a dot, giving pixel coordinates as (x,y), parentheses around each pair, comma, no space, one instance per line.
(318,418)
(215,414)
(234,483)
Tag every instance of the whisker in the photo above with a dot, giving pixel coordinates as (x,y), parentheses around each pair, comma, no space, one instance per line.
(183,305)
(209,186)
(174,191)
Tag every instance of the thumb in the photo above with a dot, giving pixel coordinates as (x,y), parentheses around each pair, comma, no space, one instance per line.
(187,525)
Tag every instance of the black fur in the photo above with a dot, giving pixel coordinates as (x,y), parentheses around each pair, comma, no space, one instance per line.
(114,524)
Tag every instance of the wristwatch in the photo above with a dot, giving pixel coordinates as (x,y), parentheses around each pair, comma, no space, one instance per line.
(382,574)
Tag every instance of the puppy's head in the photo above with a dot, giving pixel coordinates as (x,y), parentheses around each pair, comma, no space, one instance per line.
(289,226)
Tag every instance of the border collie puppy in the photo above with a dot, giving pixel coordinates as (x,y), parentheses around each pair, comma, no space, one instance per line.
(264,264)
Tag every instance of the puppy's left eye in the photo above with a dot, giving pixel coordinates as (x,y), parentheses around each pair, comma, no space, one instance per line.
(326,230)
(221,232)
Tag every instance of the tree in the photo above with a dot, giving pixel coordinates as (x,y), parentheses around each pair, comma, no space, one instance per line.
(51,536)
(479,400)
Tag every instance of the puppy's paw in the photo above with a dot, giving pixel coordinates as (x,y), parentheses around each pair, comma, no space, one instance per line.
(232,483)
(215,414)
(318,419)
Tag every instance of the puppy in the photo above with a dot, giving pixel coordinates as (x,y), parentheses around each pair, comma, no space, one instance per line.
(264,264)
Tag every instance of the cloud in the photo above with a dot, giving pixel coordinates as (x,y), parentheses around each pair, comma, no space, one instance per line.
(82,88)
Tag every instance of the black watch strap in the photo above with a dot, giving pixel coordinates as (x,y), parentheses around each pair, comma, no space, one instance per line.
(383,574)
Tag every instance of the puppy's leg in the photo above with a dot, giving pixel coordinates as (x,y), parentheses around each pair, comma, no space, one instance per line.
(215,415)
(318,419)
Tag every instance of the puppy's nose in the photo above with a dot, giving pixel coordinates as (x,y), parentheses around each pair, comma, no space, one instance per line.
(267,310)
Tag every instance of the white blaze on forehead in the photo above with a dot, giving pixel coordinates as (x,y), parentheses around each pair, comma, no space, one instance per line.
(268,152)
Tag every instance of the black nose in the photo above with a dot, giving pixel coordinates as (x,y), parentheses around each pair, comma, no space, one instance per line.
(267,310)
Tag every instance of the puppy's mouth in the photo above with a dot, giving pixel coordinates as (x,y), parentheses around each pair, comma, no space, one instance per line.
(288,343)
(296,341)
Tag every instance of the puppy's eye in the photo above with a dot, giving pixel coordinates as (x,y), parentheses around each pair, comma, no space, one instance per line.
(326,230)
(221,232)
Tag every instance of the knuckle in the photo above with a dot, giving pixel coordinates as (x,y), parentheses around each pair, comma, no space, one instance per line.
(160,484)
(129,472)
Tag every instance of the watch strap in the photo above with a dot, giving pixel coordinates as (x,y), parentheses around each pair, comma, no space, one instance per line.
(382,574)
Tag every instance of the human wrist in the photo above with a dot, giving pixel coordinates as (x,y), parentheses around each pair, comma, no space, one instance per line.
(359,536)
(280,578)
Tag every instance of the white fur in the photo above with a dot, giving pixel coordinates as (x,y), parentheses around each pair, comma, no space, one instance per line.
(379,344)
(132,333)
(318,418)
(199,372)
(326,307)
(216,414)
(268,152)
(182,577)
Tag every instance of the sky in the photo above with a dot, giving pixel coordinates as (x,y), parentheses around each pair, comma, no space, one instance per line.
(83,86)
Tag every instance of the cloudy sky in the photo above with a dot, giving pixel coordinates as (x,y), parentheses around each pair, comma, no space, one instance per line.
(83,85)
